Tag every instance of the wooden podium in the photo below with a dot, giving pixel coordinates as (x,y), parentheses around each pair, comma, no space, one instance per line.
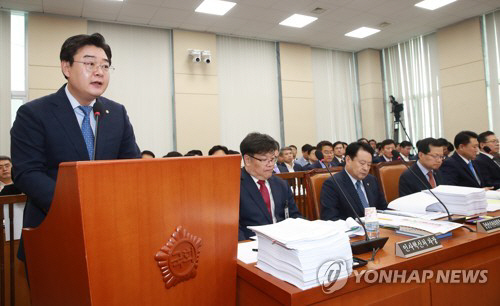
(104,241)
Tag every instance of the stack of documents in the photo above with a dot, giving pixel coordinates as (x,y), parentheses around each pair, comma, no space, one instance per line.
(416,226)
(293,250)
(461,200)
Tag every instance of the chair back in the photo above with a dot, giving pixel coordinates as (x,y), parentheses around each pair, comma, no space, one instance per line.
(296,180)
(387,175)
(315,179)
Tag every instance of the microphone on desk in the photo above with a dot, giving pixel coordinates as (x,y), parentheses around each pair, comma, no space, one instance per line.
(362,246)
(97,108)
(457,220)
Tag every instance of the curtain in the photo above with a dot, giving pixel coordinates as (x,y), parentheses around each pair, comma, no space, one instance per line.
(248,89)
(491,49)
(142,81)
(336,95)
(411,75)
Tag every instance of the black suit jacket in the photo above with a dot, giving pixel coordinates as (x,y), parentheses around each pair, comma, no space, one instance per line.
(334,205)
(46,133)
(318,165)
(455,171)
(253,209)
(409,184)
(284,169)
(337,163)
(489,170)
(381,159)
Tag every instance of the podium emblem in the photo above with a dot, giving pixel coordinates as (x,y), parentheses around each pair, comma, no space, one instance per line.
(178,258)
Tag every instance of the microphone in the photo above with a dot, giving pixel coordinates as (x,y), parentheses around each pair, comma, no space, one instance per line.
(97,108)
(320,157)
(487,149)
(362,246)
(457,220)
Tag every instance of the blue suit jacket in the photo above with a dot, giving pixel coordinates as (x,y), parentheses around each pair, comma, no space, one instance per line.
(318,165)
(334,205)
(284,169)
(46,133)
(455,171)
(381,159)
(253,209)
(409,184)
(489,170)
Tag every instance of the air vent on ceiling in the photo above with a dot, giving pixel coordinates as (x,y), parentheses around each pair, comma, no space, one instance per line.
(318,10)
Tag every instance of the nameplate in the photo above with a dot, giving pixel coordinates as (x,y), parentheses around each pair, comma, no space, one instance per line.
(489,225)
(417,246)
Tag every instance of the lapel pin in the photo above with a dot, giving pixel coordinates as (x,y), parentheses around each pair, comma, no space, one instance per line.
(107,111)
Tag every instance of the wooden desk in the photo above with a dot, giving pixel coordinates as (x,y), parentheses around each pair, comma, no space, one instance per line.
(464,251)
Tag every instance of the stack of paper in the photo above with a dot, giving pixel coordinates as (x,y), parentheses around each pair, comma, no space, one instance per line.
(416,225)
(293,250)
(417,205)
(461,200)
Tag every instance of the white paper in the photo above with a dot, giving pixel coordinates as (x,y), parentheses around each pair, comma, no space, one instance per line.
(493,205)
(493,194)
(417,203)
(246,251)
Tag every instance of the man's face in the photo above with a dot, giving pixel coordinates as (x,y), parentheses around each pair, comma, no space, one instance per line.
(288,156)
(338,150)
(492,143)
(260,165)
(5,170)
(85,81)
(433,159)
(294,152)
(327,153)
(359,166)
(405,150)
(305,155)
(387,150)
(469,150)
(373,144)
(312,157)
(445,150)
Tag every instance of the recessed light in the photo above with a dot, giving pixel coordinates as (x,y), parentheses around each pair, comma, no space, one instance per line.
(362,32)
(298,21)
(433,4)
(215,7)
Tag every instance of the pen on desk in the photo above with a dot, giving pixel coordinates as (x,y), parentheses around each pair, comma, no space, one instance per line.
(255,250)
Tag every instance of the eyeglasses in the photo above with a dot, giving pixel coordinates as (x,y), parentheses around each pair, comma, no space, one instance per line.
(265,161)
(436,157)
(492,141)
(93,66)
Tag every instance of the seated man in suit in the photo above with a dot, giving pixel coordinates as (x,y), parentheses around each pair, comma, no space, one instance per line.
(326,148)
(360,189)
(430,158)
(312,159)
(488,167)
(460,169)
(338,154)
(386,151)
(304,159)
(288,164)
(6,184)
(405,149)
(264,198)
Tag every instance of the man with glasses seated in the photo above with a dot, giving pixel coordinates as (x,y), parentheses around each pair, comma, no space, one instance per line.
(487,161)
(62,127)
(326,148)
(430,158)
(264,198)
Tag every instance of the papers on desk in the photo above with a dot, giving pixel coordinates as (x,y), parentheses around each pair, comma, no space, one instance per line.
(416,225)
(246,251)
(293,250)
(493,194)
(493,205)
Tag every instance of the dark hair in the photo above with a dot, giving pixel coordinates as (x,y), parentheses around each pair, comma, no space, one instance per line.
(194,153)
(257,143)
(482,137)
(322,144)
(148,153)
(336,143)
(450,147)
(217,148)
(71,46)
(306,147)
(442,142)
(387,142)
(405,143)
(463,138)
(292,146)
(285,149)
(363,140)
(3,157)
(379,145)
(353,148)
(173,154)
(233,152)
(372,140)
(424,145)
(310,150)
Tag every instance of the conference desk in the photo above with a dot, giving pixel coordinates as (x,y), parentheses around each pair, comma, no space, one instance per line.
(463,251)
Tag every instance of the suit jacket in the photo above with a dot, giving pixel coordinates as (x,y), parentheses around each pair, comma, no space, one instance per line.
(284,169)
(46,133)
(337,163)
(334,205)
(253,209)
(381,159)
(455,171)
(489,170)
(318,165)
(409,184)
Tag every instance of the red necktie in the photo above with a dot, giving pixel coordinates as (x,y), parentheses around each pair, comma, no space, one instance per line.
(265,195)
(431,179)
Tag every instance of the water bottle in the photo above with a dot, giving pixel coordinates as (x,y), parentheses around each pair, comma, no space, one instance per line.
(371,222)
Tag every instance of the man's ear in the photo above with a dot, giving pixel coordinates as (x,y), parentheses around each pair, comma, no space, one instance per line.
(65,68)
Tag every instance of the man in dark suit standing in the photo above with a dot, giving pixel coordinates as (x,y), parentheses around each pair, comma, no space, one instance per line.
(360,188)
(289,164)
(264,198)
(488,167)
(430,158)
(61,127)
(460,168)
(387,146)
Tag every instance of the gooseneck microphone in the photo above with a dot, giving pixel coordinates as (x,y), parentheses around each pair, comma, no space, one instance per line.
(457,220)
(362,246)
(97,108)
